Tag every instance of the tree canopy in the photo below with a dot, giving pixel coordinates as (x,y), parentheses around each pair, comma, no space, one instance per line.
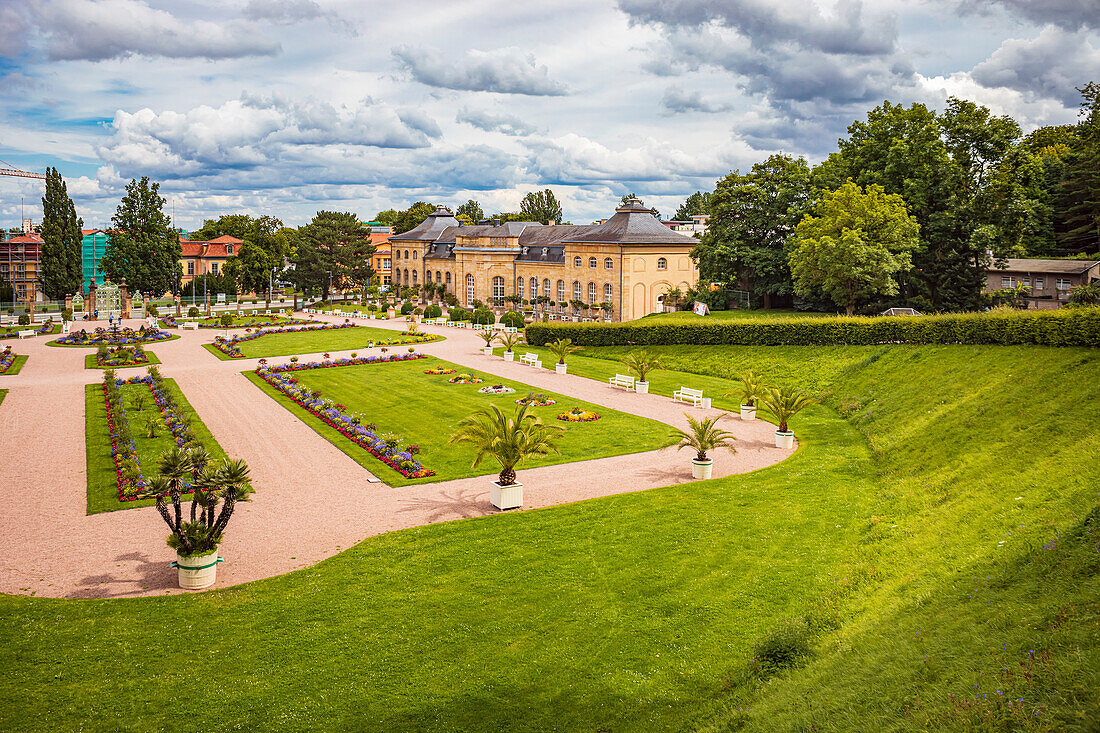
(61,258)
(697,204)
(541,206)
(471,210)
(143,247)
(333,248)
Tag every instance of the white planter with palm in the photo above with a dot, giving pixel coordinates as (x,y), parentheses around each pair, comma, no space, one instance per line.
(783,403)
(641,362)
(509,440)
(561,349)
(487,335)
(703,436)
(752,387)
(510,341)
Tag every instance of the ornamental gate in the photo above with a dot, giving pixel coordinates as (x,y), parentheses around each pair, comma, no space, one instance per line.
(108,300)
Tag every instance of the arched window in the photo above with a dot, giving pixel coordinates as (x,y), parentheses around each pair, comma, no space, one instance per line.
(608,293)
(397,254)
(534,288)
(438,276)
(576,262)
(414,254)
(470,290)
(406,254)
(609,264)
(576,290)
(591,261)
(561,291)
(662,263)
(593,293)
(546,287)
(519,287)
(406,277)
(448,278)
(414,277)
(498,289)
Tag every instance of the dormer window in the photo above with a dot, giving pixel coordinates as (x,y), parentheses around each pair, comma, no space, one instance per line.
(229,249)
(545,250)
(526,250)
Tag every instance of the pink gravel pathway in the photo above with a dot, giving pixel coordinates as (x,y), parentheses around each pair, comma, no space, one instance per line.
(312,500)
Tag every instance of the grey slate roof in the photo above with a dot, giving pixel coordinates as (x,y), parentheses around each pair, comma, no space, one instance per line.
(632,224)
(1069,267)
(429,229)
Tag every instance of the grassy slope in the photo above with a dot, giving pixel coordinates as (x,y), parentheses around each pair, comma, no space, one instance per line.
(90,363)
(16,365)
(639,611)
(425,409)
(102,486)
(313,342)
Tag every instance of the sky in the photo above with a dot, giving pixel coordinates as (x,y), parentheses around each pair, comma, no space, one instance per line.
(287,107)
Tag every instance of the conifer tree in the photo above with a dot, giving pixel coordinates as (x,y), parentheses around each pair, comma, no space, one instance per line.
(61,264)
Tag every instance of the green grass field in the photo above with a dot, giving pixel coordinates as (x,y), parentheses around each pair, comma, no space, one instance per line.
(936,537)
(239,321)
(16,365)
(102,484)
(425,409)
(90,362)
(735,315)
(315,342)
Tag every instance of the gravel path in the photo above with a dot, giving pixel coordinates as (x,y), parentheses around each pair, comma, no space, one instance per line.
(312,500)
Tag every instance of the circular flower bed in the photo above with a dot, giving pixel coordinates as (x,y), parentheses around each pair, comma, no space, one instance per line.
(578,414)
(439,371)
(536,400)
(496,389)
(465,379)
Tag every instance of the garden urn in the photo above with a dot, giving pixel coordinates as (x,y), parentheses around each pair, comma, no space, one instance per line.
(561,368)
(487,350)
(197,571)
(390,313)
(641,387)
(748,412)
(784,439)
(506,497)
(702,469)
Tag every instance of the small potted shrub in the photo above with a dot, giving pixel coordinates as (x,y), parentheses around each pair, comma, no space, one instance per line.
(510,341)
(193,312)
(417,314)
(704,435)
(641,363)
(752,388)
(488,336)
(509,440)
(784,403)
(561,349)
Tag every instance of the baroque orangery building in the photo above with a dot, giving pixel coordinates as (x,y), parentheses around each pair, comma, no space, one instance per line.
(630,260)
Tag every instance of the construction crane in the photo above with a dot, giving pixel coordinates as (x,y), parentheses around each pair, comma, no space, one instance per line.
(13,171)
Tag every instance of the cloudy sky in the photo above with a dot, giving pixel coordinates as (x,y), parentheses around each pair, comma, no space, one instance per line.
(285,107)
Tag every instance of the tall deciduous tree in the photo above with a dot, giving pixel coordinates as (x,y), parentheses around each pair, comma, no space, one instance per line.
(143,247)
(752,217)
(472,210)
(697,204)
(241,226)
(411,217)
(853,245)
(333,248)
(62,268)
(541,206)
(1078,194)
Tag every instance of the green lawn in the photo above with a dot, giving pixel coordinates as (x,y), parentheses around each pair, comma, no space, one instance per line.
(243,321)
(16,365)
(425,409)
(102,484)
(3,392)
(171,337)
(315,342)
(13,331)
(90,362)
(936,535)
(736,315)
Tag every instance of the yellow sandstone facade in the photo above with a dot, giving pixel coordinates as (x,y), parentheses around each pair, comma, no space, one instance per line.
(629,262)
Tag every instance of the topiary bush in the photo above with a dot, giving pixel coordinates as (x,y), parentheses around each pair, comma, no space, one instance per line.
(458,313)
(193,312)
(407,307)
(66,314)
(1065,327)
(24,319)
(433,311)
(512,319)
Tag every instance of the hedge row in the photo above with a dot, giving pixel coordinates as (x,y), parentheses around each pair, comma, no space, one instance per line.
(1065,327)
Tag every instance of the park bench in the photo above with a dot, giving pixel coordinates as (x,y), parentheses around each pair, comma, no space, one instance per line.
(191,325)
(687,394)
(27,334)
(532,359)
(622,380)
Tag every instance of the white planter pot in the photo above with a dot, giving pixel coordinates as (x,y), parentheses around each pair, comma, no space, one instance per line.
(641,387)
(487,350)
(417,319)
(561,368)
(784,440)
(506,497)
(748,412)
(702,469)
(199,571)
(509,355)
(391,313)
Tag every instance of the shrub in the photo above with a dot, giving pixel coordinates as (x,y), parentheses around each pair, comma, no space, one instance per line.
(24,319)
(152,310)
(433,311)
(512,319)
(784,646)
(418,311)
(193,312)
(1064,327)
(484,316)
(458,314)
(66,314)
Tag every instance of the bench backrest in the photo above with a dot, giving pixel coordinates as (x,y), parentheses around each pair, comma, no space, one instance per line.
(624,378)
(692,392)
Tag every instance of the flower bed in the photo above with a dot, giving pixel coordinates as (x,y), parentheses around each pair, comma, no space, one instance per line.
(384,448)
(10,332)
(438,371)
(123,337)
(7,358)
(465,379)
(578,414)
(229,347)
(536,400)
(122,356)
(496,389)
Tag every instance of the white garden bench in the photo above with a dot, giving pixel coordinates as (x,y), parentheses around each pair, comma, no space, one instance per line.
(191,325)
(687,394)
(532,359)
(510,329)
(622,380)
(28,334)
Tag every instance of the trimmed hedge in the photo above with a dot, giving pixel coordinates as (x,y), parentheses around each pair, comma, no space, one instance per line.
(512,320)
(433,311)
(1064,327)
(484,316)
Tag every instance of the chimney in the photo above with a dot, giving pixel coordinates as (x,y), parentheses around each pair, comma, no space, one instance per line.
(551,223)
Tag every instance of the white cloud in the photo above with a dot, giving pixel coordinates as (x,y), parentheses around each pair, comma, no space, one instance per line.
(505,123)
(504,70)
(1050,65)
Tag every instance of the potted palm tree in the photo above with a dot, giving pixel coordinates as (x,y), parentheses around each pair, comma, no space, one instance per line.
(509,440)
(510,341)
(196,541)
(784,403)
(561,349)
(487,335)
(642,363)
(752,387)
(704,435)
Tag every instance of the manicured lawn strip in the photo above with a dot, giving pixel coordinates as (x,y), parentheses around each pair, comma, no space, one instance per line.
(241,321)
(16,365)
(90,362)
(732,315)
(102,486)
(425,409)
(621,613)
(11,332)
(313,342)
(3,392)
